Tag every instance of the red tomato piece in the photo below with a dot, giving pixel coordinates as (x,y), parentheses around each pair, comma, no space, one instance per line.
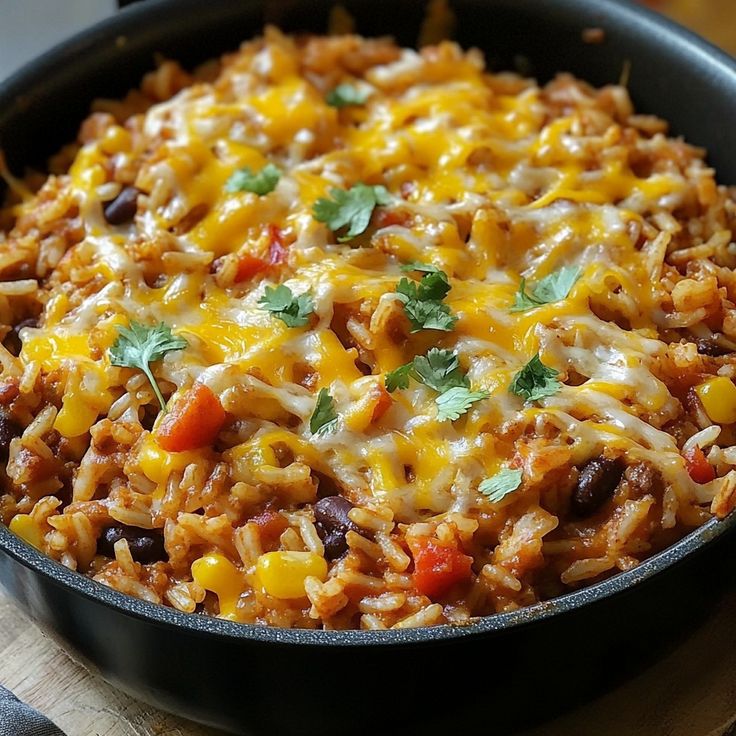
(437,567)
(248,267)
(194,420)
(701,471)
(383,401)
(277,251)
(384,218)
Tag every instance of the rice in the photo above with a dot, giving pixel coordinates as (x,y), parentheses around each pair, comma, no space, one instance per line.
(430,343)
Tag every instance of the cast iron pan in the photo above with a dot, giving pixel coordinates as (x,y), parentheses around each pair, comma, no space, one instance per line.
(505,671)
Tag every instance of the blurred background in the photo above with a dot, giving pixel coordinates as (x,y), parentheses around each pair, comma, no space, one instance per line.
(28,27)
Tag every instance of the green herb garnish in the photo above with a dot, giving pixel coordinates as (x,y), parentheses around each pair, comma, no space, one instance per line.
(535,381)
(244,180)
(399,377)
(139,345)
(439,370)
(345,95)
(423,303)
(324,417)
(352,208)
(500,485)
(456,401)
(550,289)
(293,310)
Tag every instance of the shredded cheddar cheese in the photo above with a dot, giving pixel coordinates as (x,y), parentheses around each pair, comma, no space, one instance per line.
(477,187)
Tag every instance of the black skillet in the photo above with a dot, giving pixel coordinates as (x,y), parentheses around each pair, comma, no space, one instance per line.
(504,671)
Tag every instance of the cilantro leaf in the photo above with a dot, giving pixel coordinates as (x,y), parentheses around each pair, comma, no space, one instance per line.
(550,289)
(423,302)
(352,208)
(429,316)
(139,345)
(398,378)
(456,401)
(434,286)
(293,310)
(440,370)
(419,266)
(345,95)
(244,180)
(500,485)
(324,417)
(535,381)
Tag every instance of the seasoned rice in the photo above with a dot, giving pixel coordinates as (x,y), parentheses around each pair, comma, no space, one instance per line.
(543,395)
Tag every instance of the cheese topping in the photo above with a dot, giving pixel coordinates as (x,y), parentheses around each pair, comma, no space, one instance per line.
(439,212)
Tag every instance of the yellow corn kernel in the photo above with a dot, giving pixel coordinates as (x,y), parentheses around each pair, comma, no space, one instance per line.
(718,396)
(218,575)
(115,140)
(282,574)
(25,526)
(158,464)
(75,417)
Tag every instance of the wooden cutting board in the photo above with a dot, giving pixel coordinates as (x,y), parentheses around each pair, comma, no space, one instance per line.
(692,692)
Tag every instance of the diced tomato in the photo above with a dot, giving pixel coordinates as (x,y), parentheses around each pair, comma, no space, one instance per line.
(437,567)
(248,267)
(271,524)
(384,218)
(701,471)
(194,420)
(382,403)
(277,251)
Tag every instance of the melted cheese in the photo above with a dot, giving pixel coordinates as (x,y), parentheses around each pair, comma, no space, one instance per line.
(494,186)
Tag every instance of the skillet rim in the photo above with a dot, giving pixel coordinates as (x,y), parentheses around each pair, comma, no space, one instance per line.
(620,14)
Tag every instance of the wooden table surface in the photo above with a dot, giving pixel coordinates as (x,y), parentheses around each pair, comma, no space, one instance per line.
(692,692)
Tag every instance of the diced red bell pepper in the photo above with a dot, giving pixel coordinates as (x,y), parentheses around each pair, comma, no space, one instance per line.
(437,567)
(194,420)
(248,267)
(701,471)
(277,251)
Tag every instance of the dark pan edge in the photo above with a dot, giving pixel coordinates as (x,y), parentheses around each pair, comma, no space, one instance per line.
(622,582)
(718,63)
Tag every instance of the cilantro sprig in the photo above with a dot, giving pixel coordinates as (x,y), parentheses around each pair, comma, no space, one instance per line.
(500,485)
(260,183)
(345,95)
(350,208)
(550,289)
(292,310)
(535,381)
(422,300)
(324,416)
(140,345)
(454,402)
(439,370)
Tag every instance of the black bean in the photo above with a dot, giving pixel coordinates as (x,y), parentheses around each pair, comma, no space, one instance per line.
(12,340)
(122,209)
(9,429)
(710,346)
(596,483)
(333,523)
(146,545)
